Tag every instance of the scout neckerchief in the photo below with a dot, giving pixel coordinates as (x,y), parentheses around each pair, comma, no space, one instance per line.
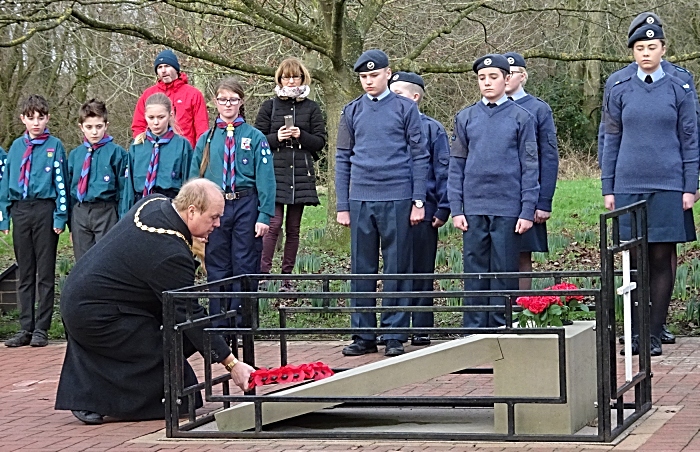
(26,165)
(229,151)
(85,172)
(153,166)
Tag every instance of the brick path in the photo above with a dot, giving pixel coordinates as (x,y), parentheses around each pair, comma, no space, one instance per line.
(29,376)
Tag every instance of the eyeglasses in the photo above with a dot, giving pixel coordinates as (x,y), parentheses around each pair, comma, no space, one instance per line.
(232,101)
(516,72)
(296,78)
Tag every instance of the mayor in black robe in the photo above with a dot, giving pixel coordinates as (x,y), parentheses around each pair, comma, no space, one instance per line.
(111,309)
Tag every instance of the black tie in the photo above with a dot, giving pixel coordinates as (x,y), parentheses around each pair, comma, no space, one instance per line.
(491,105)
(648,79)
(510,98)
(374,99)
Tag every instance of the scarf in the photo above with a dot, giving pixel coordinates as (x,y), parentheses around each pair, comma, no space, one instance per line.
(293,92)
(26,165)
(157,142)
(85,171)
(229,151)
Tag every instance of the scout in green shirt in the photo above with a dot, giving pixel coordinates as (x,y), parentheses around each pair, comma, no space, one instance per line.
(159,159)
(96,177)
(33,194)
(237,157)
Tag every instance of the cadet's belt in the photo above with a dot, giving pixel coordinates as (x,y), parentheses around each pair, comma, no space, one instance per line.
(238,194)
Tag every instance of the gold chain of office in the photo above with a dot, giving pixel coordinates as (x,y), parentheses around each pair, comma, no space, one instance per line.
(143,227)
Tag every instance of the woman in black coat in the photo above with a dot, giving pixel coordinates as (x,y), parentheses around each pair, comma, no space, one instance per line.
(295,128)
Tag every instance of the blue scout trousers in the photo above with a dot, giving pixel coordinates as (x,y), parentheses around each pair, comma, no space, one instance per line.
(233,250)
(490,246)
(386,224)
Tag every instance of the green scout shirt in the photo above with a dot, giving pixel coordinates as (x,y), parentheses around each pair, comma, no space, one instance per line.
(3,161)
(252,164)
(173,164)
(49,167)
(106,180)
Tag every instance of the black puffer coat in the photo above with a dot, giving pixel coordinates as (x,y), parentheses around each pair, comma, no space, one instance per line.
(294,159)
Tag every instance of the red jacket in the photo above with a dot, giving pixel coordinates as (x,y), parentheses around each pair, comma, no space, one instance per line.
(191,116)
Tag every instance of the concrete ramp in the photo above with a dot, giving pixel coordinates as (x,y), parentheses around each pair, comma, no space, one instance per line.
(370,379)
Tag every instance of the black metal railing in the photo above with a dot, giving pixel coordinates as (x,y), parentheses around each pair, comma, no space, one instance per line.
(610,397)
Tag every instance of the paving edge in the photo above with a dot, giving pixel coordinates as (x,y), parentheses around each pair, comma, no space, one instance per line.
(631,439)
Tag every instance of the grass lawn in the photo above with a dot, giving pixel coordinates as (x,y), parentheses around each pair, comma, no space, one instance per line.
(573,242)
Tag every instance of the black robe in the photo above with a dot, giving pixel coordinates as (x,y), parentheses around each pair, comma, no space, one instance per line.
(111,309)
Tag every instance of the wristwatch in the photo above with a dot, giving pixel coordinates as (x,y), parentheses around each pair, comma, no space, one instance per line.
(418,203)
(231,365)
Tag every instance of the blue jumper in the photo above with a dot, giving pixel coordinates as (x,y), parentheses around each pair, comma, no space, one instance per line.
(494,168)
(547,148)
(436,203)
(631,70)
(381,152)
(651,137)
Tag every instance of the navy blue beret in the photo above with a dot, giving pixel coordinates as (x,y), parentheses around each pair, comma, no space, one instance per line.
(515,59)
(371,60)
(491,60)
(643,19)
(409,77)
(646,33)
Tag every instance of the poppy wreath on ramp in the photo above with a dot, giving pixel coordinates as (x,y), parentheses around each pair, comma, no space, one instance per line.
(289,374)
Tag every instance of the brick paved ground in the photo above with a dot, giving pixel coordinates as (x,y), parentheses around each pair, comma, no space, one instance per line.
(28,379)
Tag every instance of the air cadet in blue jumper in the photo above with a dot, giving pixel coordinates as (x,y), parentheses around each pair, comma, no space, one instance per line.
(237,157)
(96,177)
(33,194)
(643,19)
(381,168)
(493,184)
(548,155)
(159,158)
(650,153)
(437,208)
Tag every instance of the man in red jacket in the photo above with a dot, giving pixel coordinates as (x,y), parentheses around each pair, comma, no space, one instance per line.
(191,116)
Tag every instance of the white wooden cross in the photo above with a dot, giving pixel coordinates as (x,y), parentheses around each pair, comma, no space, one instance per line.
(626,291)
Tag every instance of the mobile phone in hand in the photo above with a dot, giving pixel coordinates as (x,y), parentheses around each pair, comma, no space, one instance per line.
(289,121)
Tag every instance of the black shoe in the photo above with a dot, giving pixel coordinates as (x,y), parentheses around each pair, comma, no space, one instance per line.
(393,348)
(39,339)
(380,340)
(666,336)
(622,340)
(88,417)
(655,346)
(360,347)
(635,346)
(420,340)
(20,339)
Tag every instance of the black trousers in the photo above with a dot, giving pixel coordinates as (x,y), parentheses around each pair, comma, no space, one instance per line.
(425,240)
(35,245)
(385,225)
(490,246)
(90,221)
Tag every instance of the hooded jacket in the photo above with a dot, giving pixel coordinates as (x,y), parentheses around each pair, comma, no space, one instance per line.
(192,118)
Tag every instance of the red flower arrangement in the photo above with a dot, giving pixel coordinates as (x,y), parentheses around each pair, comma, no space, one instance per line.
(549,310)
(289,374)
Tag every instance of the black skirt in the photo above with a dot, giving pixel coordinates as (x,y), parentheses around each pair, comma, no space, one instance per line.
(667,222)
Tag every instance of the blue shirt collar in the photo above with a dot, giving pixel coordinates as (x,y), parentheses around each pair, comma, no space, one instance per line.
(381,96)
(519,94)
(498,102)
(655,76)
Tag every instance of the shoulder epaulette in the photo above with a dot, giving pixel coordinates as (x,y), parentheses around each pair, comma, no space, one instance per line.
(680,69)
(682,83)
